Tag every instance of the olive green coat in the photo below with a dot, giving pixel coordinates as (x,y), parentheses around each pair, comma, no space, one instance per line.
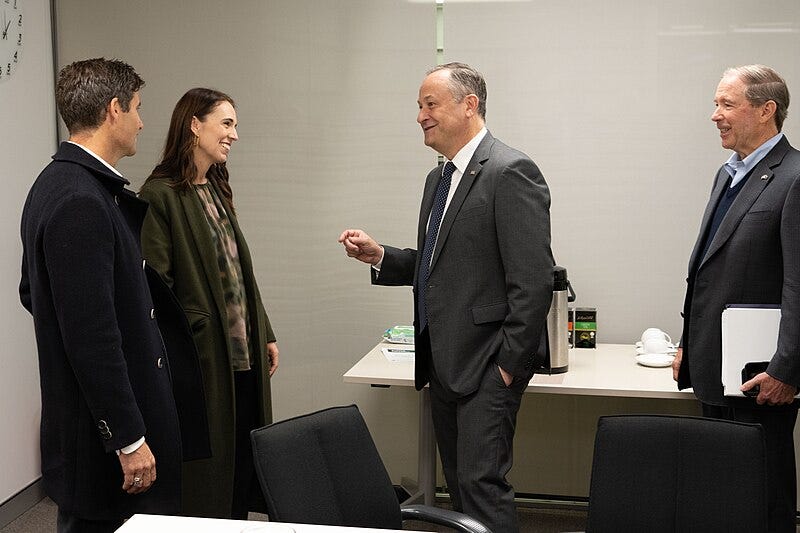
(176,241)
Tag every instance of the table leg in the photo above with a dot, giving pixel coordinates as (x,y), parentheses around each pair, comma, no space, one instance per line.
(427,448)
(426,455)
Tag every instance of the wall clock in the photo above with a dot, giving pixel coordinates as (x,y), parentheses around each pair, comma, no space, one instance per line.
(11,24)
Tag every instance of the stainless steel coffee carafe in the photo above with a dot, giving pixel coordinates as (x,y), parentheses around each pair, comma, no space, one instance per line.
(556,360)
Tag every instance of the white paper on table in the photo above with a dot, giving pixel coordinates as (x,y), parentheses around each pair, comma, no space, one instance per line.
(400,354)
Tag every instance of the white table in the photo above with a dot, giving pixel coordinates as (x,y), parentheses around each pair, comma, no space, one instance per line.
(147,523)
(608,370)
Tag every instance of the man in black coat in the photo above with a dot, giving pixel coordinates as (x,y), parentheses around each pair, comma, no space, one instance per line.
(108,413)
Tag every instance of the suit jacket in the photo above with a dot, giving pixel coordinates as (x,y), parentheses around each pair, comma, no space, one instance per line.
(491,276)
(754,258)
(177,242)
(105,377)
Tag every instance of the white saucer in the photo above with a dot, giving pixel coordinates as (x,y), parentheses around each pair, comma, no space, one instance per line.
(655,359)
(671,351)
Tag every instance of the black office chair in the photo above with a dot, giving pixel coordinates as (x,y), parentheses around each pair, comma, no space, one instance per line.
(677,474)
(324,468)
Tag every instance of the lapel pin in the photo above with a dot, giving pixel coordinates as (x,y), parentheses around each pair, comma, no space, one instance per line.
(471,172)
(764,177)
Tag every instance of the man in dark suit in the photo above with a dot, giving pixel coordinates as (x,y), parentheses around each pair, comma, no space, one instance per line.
(482,288)
(748,252)
(108,412)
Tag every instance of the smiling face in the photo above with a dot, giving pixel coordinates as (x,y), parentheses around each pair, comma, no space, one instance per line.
(743,126)
(447,124)
(215,135)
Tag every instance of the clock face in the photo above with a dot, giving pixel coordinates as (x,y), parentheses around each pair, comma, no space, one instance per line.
(10,36)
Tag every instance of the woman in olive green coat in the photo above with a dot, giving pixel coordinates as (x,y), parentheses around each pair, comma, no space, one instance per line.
(192,238)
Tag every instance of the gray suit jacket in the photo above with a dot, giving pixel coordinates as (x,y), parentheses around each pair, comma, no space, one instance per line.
(754,258)
(490,283)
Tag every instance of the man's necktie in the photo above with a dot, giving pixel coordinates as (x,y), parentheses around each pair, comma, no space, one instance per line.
(435,221)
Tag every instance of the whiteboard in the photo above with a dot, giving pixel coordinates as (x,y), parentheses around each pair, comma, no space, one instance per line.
(27,140)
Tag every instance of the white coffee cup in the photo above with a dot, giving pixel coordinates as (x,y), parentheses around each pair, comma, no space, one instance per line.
(654,340)
(657,345)
(655,333)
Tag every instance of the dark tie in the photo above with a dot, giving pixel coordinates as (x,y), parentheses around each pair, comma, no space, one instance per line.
(435,221)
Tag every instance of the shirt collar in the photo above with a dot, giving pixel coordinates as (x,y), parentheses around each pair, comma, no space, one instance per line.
(734,164)
(112,169)
(464,156)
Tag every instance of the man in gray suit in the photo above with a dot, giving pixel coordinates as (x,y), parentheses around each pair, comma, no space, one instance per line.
(748,252)
(482,287)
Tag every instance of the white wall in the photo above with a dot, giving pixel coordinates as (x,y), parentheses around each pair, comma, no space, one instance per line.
(27,140)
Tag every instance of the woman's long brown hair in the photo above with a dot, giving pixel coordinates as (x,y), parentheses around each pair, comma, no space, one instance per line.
(177,162)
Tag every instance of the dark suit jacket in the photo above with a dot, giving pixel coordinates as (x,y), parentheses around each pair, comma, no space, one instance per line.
(754,258)
(491,276)
(105,377)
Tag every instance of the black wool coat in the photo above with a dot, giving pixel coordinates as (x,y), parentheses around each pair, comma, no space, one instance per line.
(105,376)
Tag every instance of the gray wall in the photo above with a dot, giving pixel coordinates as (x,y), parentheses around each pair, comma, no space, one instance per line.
(612,100)
(27,139)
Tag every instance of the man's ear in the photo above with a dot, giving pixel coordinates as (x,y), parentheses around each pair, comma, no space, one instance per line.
(472,104)
(113,109)
(768,110)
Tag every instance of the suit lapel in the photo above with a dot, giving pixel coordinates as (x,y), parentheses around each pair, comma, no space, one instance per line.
(759,179)
(473,169)
(716,193)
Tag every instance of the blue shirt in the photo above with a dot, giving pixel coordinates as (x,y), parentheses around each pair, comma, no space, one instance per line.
(739,168)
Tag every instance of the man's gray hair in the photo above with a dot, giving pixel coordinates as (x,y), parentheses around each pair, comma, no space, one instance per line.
(465,80)
(764,84)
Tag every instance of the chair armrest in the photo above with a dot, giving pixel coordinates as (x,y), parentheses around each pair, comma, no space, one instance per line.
(443,517)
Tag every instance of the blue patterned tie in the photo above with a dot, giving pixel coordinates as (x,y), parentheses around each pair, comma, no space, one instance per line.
(437,212)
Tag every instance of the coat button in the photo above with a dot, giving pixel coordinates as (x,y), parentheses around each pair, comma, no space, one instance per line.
(152,314)
(144,262)
(160,362)
(104,431)
(116,200)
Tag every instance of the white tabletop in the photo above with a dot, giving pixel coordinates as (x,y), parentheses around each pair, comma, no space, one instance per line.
(147,523)
(608,370)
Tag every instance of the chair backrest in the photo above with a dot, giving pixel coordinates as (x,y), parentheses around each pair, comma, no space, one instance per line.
(677,474)
(324,468)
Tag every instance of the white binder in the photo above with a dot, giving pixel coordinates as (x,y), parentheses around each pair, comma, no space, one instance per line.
(749,334)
